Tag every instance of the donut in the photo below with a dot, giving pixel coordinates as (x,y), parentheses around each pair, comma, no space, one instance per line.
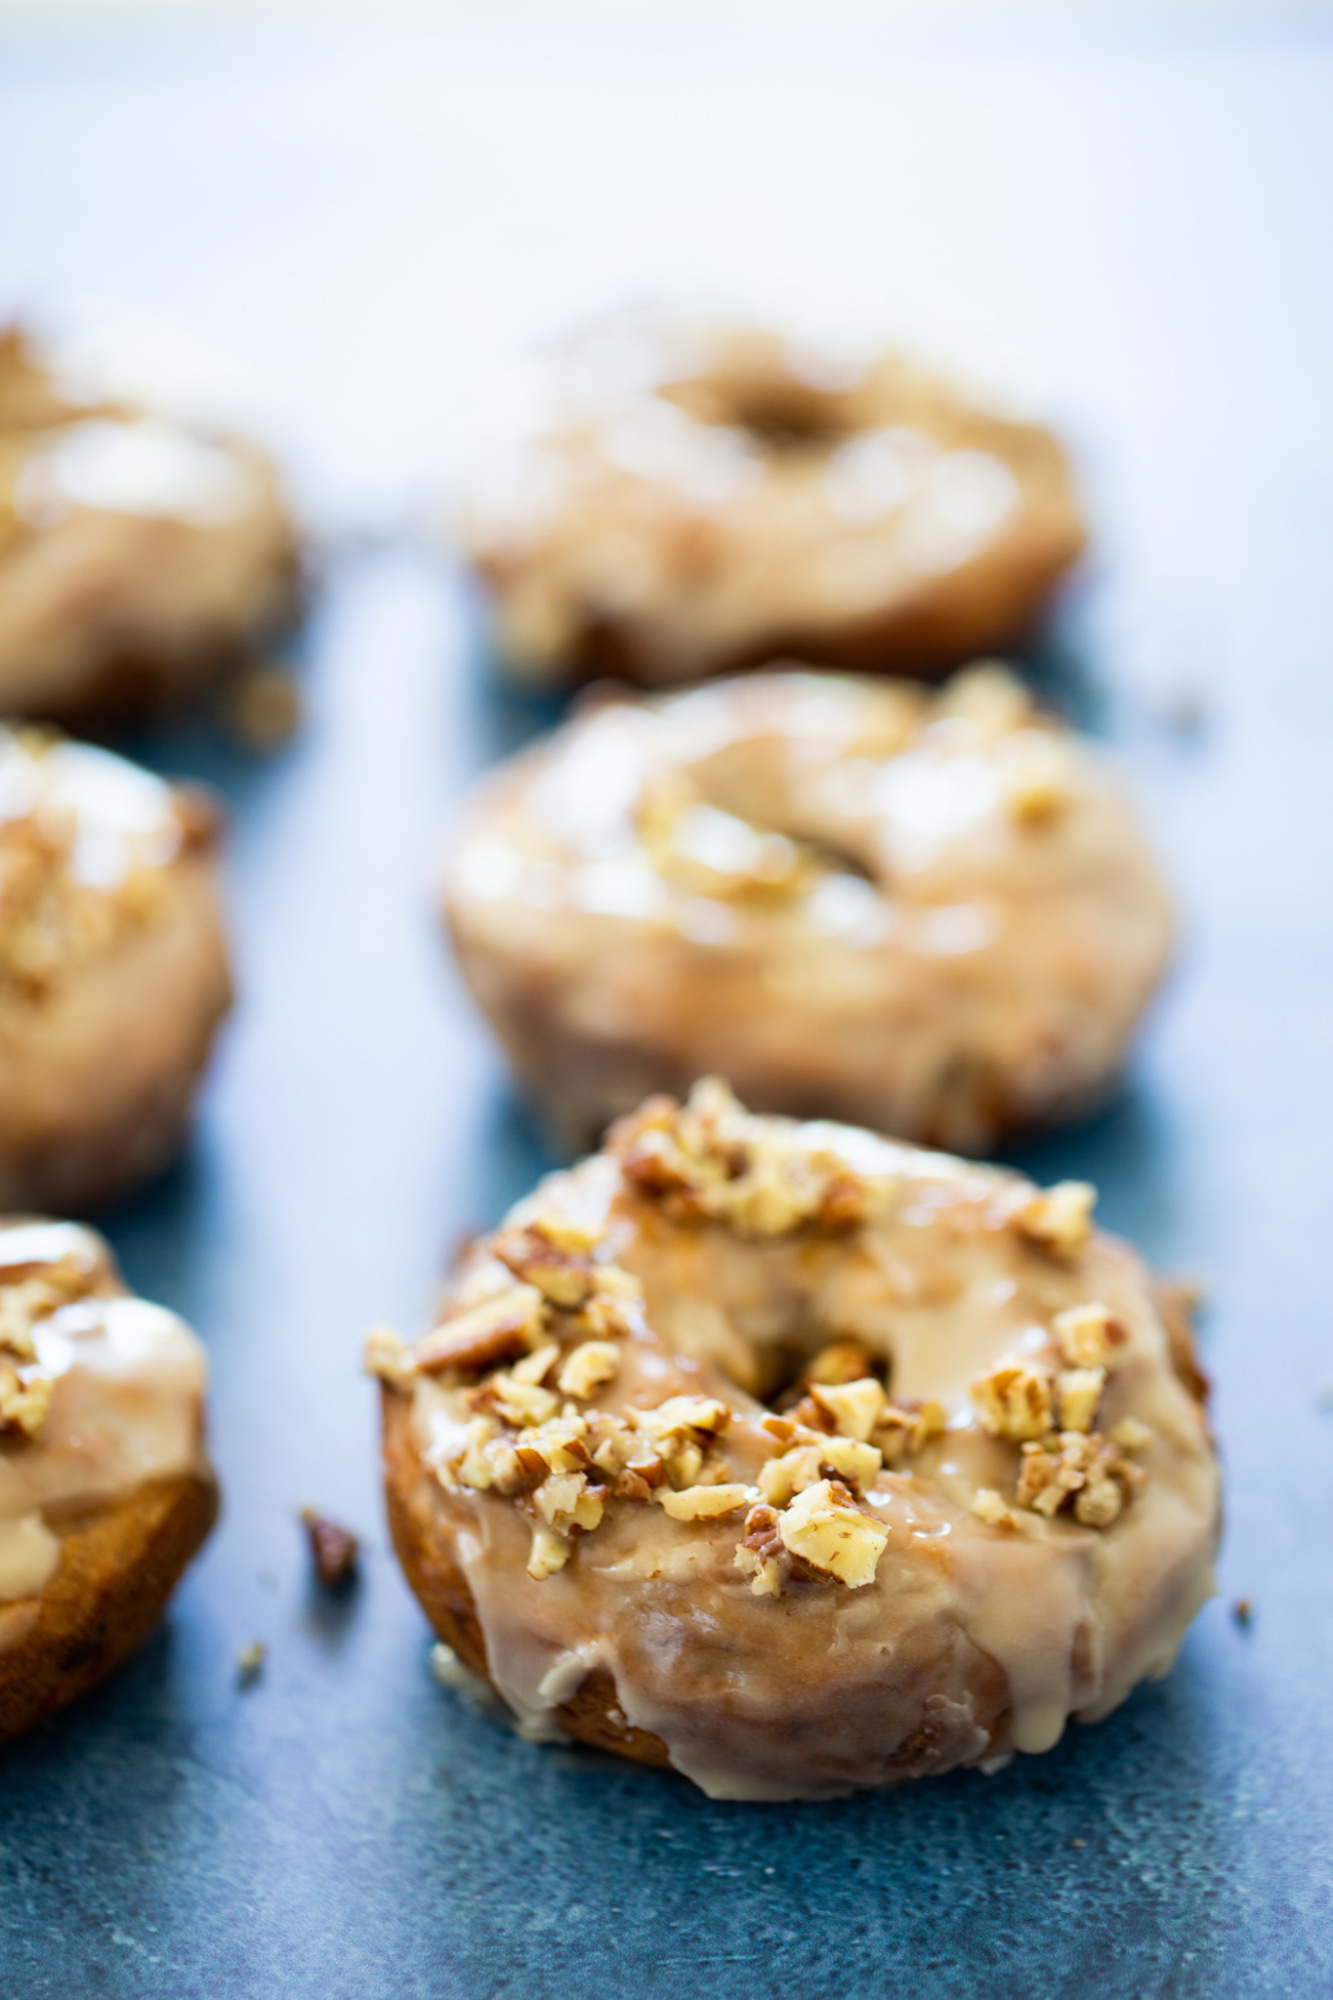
(697,497)
(928,913)
(799,1459)
(113,969)
(105,1487)
(138,555)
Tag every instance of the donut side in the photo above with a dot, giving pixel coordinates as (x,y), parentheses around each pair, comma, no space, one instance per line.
(932,914)
(97,1079)
(817,1461)
(423,1545)
(117,1568)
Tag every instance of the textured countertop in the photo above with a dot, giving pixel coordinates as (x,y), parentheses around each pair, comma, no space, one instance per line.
(1135,228)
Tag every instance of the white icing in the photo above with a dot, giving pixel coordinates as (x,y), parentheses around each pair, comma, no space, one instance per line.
(134,467)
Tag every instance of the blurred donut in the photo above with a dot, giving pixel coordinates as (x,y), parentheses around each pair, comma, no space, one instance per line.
(798,1459)
(138,555)
(105,1488)
(693,498)
(113,970)
(933,914)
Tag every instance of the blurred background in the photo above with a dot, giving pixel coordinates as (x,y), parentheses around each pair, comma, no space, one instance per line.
(1118,213)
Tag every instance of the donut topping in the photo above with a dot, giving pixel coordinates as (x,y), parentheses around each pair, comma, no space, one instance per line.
(100,1393)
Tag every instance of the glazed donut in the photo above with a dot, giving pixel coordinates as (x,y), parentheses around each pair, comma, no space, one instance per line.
(105,1488)
(929,914)
(800,1460)
(113,970)
(695,498)
(138,555)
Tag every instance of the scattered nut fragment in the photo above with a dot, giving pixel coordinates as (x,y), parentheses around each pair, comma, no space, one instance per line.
(1014,1400)
(497,1330)
(518,1403)
(541,1255)
(851,1460)
(902,1431)
(841,1361)
(1130,1435)
(1036,778)
(1243,1612)
(549,1553)
(533,1369)
(702,1417)
(760,1554)
(1087,1334)
(388,1356)
(825,1528)
(989,1506)
(566,1501)
(1059,1220)
(851,1408)
(1088,1470)
(1080,1392)
(262,707)
(709,1160)
(24,1402)
(250,1662)
(703,1503)
(588,1368)
(334,1550)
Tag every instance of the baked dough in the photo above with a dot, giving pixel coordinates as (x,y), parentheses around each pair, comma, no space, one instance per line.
(138,555)
(696,497)
(105,1488)
(801,1460)
(934,915)
(113,970)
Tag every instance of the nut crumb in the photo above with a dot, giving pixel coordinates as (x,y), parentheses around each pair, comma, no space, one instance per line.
(703,1503)
(1059,1219)
(989,1506)
(262,707)
(388,1355)
(250,1661)
(1243,1612)
(549,1553)
(588,1368)
(826,1528)
(334,1550)
(1087,1334)
(1015,1399)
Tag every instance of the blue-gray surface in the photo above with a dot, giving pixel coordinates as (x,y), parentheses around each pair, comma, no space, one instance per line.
(1139,229)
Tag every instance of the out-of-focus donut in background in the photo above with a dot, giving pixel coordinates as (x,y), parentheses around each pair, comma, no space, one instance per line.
(113,970)
(931,913)
(686,497)
(141,552)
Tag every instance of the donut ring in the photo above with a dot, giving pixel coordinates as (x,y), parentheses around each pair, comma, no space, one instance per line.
(699,498)
(113,970)
(933,915)
(138,556)
(105,1488)
(800,1460)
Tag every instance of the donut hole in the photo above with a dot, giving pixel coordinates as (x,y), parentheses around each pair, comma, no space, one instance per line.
(783,416)
(750,786)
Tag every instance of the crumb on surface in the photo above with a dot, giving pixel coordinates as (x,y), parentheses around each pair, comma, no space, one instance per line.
(1243,1611)
(262,707)
(250,1662)
(334,1550)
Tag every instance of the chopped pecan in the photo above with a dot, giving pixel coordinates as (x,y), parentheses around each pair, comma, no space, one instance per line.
(333,1550)
(825,1527)
(497,1330)
(1015,1399)
(1059,1220)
